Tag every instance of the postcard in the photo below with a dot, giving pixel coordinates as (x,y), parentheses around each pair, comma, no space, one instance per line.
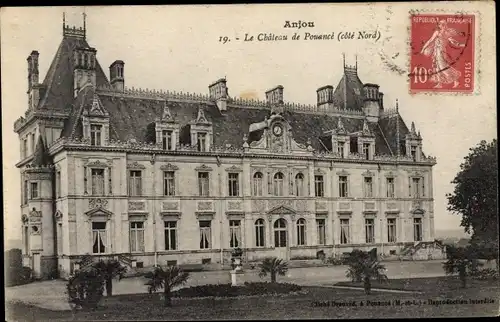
(252,161)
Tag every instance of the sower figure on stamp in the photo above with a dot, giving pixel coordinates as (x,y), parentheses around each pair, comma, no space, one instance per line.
(435,47)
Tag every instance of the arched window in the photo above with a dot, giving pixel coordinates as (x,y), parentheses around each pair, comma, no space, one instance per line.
(301,232)
(299,184)
(260,239)
(257,184)
(280,233)
(278,184)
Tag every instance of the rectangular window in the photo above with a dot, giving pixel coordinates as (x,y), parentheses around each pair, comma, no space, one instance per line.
(234,233)
(257,184)
(59,239)
(137,236)
(301,232)
(343,186)
(203,183)
(32,142)
(344,231)
(202,142)
(366,150)
(99,237)
(95,134)
(58,184)
(319,186)
(25,192)
(234,184)
(415,188)
(33,190)
(205,234)
(391,230)
(321,227)
(340,148)
(97,177)
(135,183)
(413,152)
(24,149)
(390,188)
(170,235)
(168,183)
(26,239)
(369,231)
(166,139)
(417,229)
(259,233)
(368,187)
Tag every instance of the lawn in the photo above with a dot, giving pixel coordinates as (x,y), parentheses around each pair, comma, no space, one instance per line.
(426,284)
(317,303)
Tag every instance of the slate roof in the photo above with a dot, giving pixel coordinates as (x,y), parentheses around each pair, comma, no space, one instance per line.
(133,117)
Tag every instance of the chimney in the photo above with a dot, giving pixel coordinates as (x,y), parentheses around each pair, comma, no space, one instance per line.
(274,96)
(381,100)
(219,92)
(116,76)
(84,61)
(371,106)
(325,98)
(34,88)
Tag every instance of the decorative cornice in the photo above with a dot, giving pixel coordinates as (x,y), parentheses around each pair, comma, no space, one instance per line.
(203,167)
(98,212)
(169,167)
(342,172)
(97,164)
(319,171)
(234,168)
(368,173)
(135,166)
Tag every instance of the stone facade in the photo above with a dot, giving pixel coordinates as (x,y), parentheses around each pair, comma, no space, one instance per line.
(183,193)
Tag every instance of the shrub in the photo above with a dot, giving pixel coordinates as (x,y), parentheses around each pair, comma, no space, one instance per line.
(332,260)
(167,279)
(85,288)
(320,255)
(226,290)
(485,274)
(274,267)
(15,272)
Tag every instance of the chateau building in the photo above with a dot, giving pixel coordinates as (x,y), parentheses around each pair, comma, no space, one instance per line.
(160,177)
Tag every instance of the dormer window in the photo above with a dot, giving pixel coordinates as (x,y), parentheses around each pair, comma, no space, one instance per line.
(340,148)
(202,142)
(413,152)
(366,150)
(95,134)
(167,140)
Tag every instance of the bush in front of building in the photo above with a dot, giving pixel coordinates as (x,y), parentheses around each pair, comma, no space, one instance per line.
(15,272)
(168,278)
(85,289)
(485,274)
(227,290)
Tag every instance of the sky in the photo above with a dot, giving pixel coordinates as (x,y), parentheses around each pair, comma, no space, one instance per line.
(178,48)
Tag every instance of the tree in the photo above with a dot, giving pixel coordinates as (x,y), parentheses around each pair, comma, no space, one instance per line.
(364,266)
(167,279)
(273,266)
(475,195)
(461,260)
(110,269)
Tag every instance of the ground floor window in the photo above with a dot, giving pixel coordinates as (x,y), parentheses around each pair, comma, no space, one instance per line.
(99,237)
(205,234)
(259,233)
(321,227)
(344,231)
(137,236)
(280,232)
(417,229)
(235,233)
(170,235)
(391,230)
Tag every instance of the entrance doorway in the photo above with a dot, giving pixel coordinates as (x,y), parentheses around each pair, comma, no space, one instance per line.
(281,238)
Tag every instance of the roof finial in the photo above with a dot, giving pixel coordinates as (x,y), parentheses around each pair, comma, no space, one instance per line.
(84,22)
(356,62)
(397,105)
(343,59)
(64,19)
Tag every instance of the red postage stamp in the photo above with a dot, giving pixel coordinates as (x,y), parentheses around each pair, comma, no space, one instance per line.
(442,53)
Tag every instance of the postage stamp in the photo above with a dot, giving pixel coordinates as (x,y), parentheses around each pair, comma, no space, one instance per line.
(442,53)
